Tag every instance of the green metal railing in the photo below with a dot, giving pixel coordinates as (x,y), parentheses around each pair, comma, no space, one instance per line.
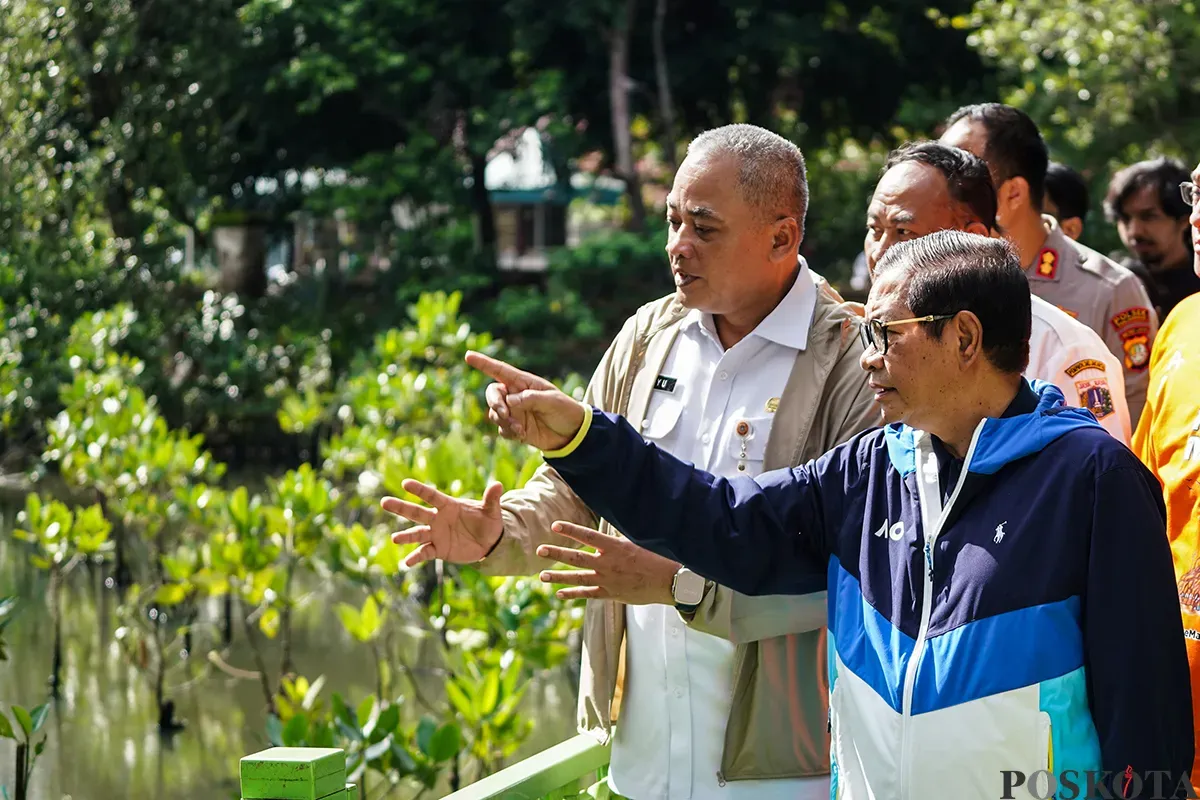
(571,765)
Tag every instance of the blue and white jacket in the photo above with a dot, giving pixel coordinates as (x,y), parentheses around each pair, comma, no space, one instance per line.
(1013,611)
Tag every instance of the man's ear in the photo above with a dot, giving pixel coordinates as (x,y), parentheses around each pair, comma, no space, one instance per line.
(1072,226)
(1013,193)
(969,331)
(785,244)
(978,228)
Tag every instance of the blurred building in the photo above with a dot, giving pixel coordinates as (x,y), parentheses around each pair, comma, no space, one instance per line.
(536,209)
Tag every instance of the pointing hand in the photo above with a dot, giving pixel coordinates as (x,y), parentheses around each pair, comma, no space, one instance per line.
(527,407)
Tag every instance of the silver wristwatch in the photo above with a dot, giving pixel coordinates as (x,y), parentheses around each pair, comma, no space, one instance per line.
(688,590)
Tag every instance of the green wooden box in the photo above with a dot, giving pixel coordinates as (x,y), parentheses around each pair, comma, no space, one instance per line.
(346,793)
(293,773)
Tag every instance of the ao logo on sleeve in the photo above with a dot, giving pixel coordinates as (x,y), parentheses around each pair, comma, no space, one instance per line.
(895,533)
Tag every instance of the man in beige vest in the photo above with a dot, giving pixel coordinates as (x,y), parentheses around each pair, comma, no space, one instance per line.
(751,365)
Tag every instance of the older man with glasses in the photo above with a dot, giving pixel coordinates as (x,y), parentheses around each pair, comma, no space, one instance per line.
(929,186)
(1168,441)
(874,333)
(1000,591)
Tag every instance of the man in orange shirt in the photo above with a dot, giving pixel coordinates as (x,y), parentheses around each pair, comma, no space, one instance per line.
(1168,441)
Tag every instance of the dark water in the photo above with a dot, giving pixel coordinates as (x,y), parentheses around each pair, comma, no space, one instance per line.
(103,743)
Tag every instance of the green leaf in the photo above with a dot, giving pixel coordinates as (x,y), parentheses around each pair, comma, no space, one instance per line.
(341,711)
(366,710)
(6,729)
(458,698)
(426,728)
(239,508)
(310,697)
(23,719)
(274,731)
(388,721)
(349,731)
(368,727)
(371,619)
(296,731)
(445,743)
(402,759)
(176,568)
(491,692)
(39,716)
(171,594)
(351,620)
(8,608)
(268,623)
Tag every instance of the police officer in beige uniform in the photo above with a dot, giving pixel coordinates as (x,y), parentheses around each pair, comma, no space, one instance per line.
(1093,289)
(751,365)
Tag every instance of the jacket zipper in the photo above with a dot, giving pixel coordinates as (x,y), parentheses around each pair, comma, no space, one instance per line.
(931,535)
(910,674)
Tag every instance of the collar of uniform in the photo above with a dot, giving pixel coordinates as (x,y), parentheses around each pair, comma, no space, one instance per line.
(1057,241)
(788,323)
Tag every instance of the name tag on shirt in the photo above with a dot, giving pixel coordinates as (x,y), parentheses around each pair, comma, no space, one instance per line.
(664,384)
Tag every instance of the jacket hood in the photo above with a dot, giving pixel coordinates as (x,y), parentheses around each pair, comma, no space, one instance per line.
(1001,440)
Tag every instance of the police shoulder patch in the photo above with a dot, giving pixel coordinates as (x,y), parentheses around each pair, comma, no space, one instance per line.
(1047,263)
(1135,315)
(1087,363)
(1136,343)
(1095,396)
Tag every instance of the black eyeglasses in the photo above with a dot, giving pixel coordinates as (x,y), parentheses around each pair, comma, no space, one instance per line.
(1189,192)
(875,333)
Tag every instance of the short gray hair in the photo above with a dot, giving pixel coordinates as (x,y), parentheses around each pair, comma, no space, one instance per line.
(771,169)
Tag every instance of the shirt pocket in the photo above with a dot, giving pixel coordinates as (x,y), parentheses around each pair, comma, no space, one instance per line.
(662,418)
(755,441)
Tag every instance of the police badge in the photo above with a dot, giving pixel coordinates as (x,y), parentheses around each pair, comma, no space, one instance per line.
(1096,397)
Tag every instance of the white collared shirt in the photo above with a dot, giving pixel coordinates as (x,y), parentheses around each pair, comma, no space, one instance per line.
(679,682)
(1073,357)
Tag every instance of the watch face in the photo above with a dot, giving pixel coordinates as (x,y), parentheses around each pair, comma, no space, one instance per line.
(689,588)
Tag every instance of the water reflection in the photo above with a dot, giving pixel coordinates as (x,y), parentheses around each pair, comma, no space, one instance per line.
(103,743)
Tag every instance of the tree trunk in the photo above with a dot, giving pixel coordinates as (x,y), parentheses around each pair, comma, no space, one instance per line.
(261,663)
(286,665)
(193,614)
(160,670)
(666,105)
(481,203)
(618,92)
(227,626)
(242,259)
(22,765)
(122,572)
(56,620)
